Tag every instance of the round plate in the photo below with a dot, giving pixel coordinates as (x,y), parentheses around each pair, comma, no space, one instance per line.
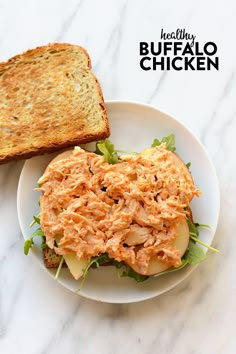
(133,128)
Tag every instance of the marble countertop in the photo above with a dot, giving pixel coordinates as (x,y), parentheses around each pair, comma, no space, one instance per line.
(37,315)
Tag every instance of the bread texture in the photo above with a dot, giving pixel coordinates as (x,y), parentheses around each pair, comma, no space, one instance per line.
(50,100)
(51,259)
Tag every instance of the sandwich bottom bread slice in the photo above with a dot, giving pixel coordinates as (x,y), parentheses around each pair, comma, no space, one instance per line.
(50,100)
(132,211)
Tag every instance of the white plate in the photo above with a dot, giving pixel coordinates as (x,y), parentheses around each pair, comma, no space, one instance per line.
(133,127)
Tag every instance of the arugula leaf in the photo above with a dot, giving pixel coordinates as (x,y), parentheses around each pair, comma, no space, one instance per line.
(193,228)
(173,269)
(129,272)
(169,140)
(195,254)
(30,242)
(95,262)
(102,259)
(59,268)
(188,164)
(107,150)
(203,244)
(27,245)
(194,233)
(36,220)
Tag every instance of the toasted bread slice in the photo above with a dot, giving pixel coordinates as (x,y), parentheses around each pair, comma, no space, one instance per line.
(51,259)
(49,100)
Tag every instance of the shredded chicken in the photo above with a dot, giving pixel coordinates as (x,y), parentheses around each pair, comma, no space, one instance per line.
(128,210)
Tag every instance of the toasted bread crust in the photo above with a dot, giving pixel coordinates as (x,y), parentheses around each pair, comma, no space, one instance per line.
(52,148)
(51,100)
(30,54)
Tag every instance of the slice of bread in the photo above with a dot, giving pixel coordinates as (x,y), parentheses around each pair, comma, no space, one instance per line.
(49,100)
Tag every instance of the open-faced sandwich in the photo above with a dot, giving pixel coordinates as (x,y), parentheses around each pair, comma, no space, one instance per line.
(131,211)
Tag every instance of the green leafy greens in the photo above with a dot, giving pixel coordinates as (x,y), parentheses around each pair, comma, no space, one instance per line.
(168,140)
(59,268)
(36,220)
(125,269)
(107,150)
(188,164)
(194,233)
(37,233)
(30,242)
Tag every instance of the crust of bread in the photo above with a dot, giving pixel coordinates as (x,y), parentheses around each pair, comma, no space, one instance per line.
(29,55)
(51,101)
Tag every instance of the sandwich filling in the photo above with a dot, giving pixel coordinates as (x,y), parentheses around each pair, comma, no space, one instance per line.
(128,210)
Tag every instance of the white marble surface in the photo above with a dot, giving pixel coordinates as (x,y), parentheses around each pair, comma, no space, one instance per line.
(37,315)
